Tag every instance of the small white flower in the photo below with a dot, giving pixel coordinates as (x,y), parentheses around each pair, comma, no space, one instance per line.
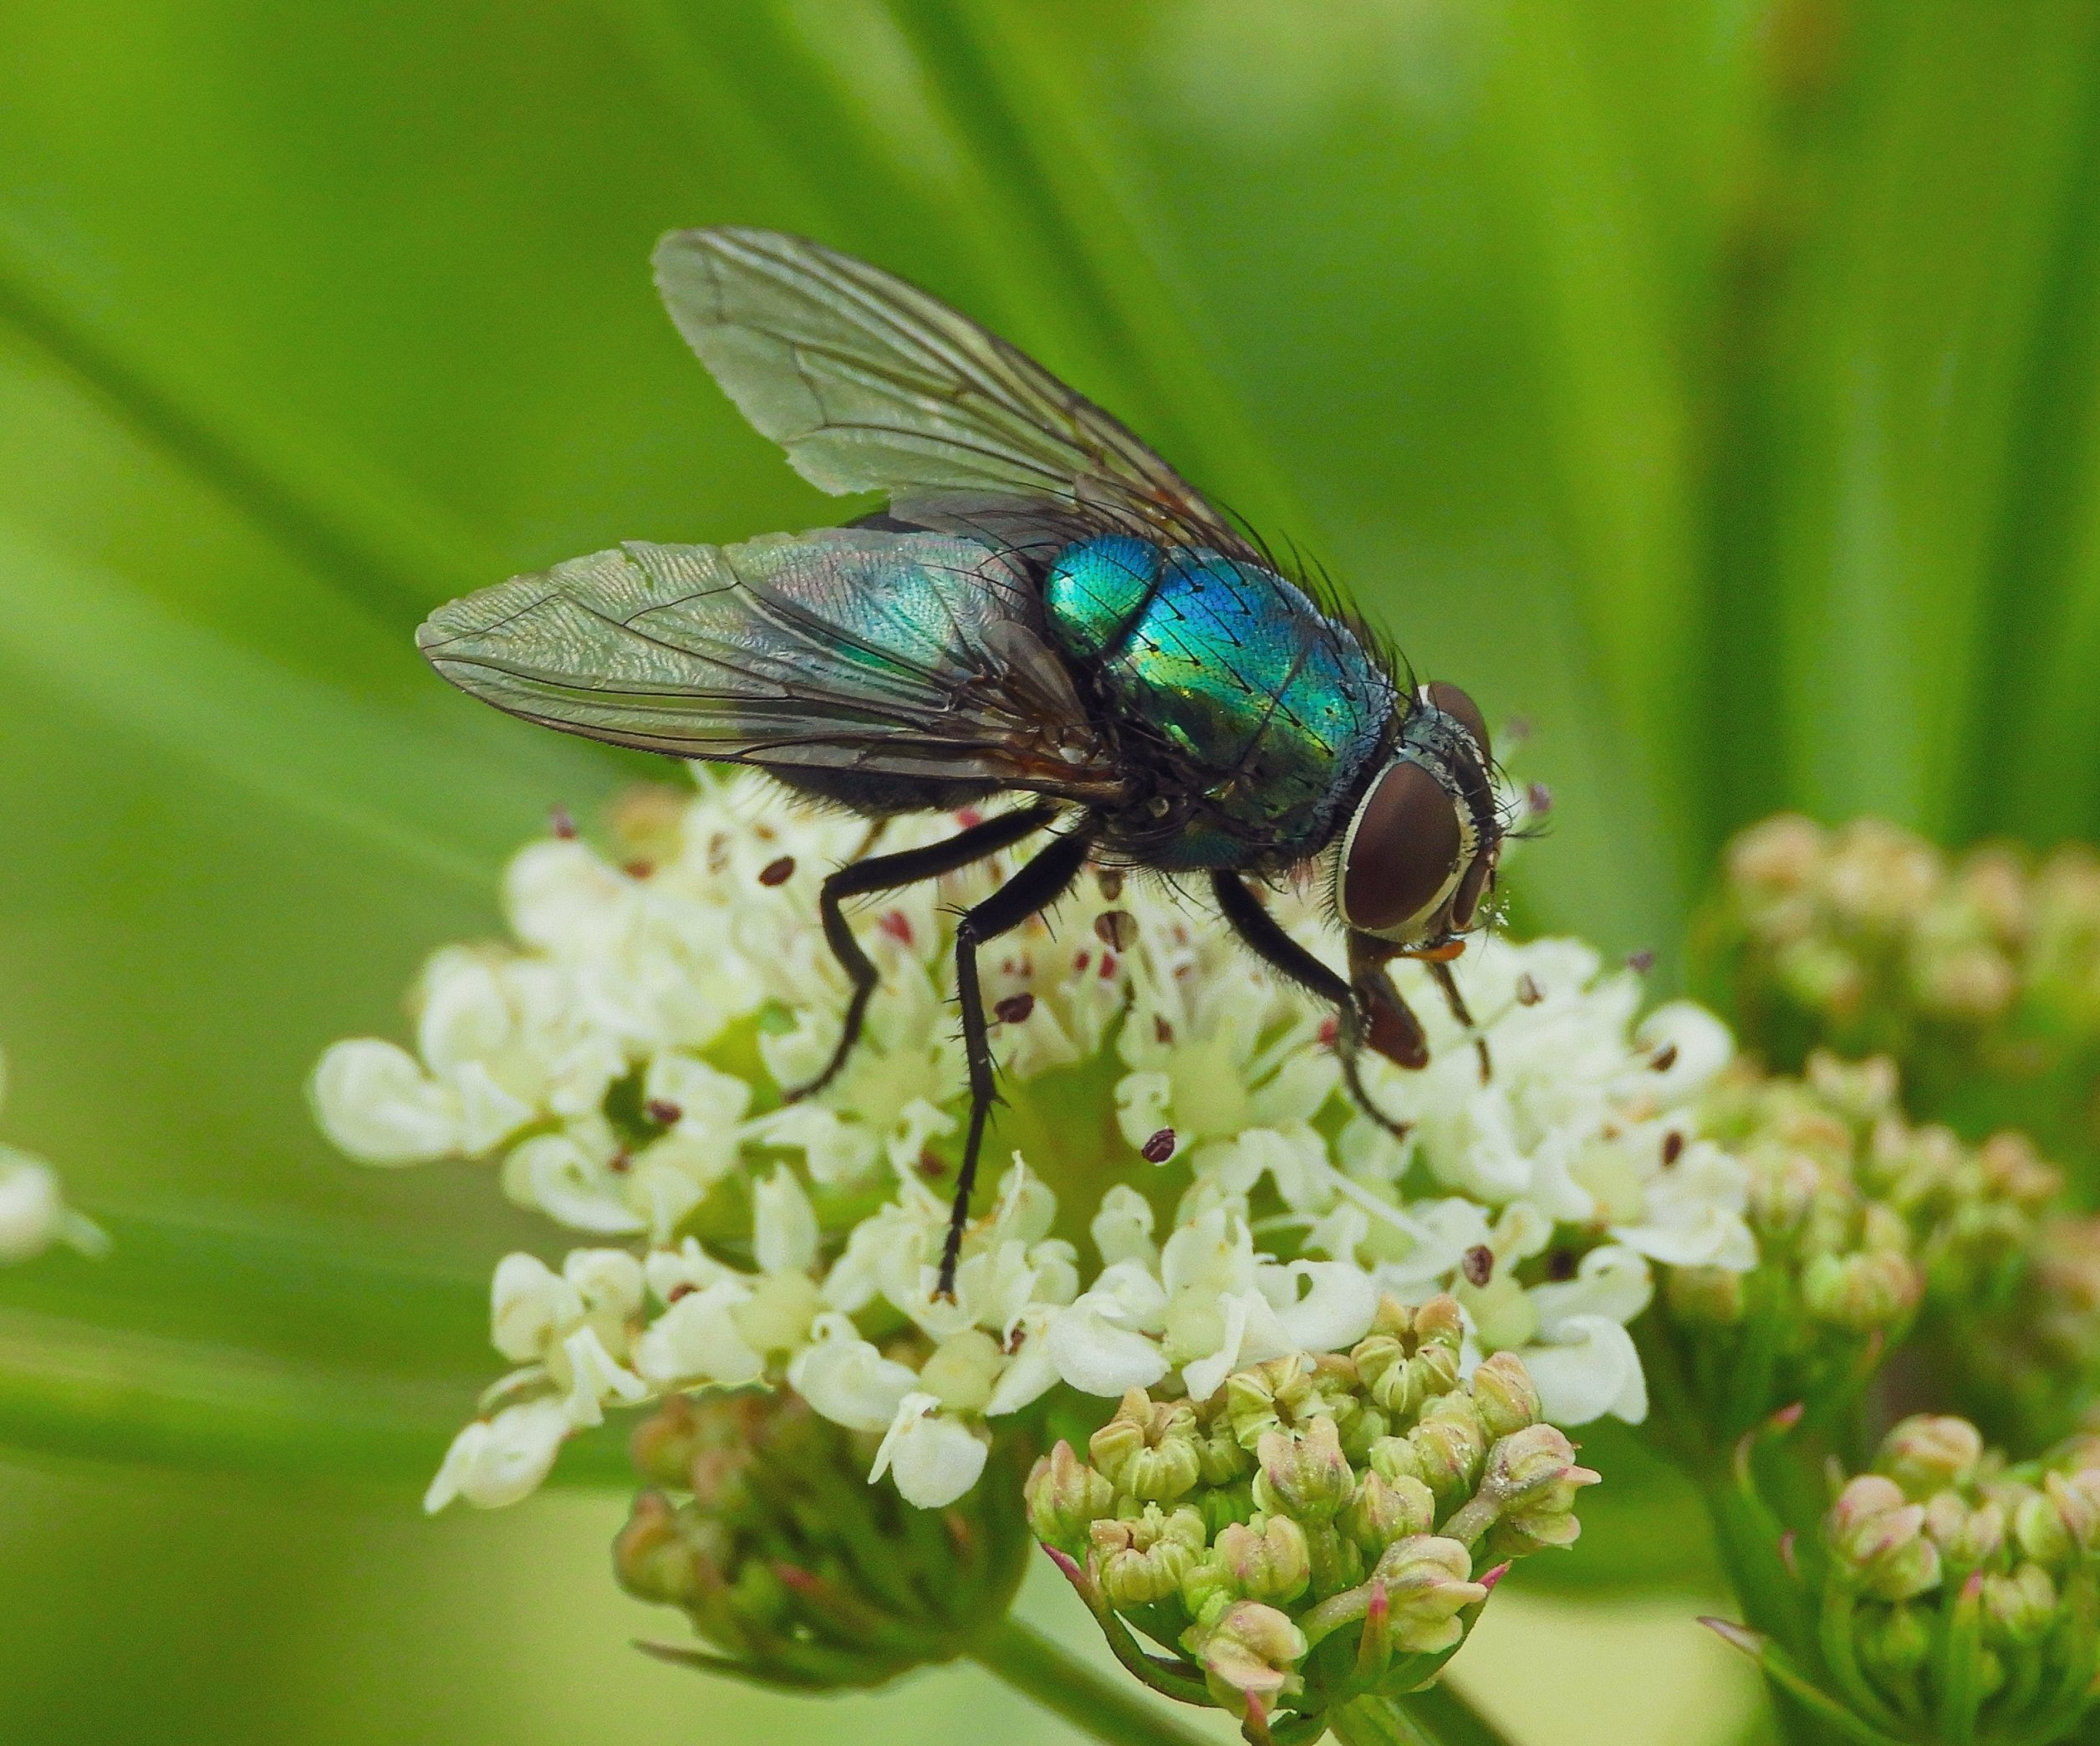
(933,1458)
(498,1461)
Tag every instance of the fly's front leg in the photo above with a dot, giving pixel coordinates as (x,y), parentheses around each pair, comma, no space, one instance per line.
(1367,1009)
(1456,1001)
(889,873)
(1032,890)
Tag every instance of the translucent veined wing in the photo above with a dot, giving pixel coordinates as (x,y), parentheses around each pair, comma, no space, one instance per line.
(872,385)
(912,654)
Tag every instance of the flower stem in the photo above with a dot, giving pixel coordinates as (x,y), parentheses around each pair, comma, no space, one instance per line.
(1438,1715)
(1106,1708)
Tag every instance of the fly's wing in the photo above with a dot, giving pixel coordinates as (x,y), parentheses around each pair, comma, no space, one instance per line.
(871,385)
(906,653)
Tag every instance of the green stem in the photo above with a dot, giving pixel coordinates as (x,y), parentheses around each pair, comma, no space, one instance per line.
(1439,1715)
(1106,1708)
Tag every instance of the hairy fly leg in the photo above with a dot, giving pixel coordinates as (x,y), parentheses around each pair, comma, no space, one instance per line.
(889,873)
(1367,1009)
(1037,886)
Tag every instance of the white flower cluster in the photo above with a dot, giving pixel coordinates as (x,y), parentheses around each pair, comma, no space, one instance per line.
(624,1058)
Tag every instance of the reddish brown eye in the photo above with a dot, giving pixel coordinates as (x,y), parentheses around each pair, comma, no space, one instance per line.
(1462,709)
(1467,900)
(1401,850)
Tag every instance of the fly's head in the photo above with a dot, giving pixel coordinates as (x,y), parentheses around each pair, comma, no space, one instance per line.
(1418,859)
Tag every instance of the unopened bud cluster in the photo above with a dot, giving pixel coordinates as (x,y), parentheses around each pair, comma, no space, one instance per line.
(1957,1595)
(1869,939)
(1860,1218)
(1320,1528)
(759,1524)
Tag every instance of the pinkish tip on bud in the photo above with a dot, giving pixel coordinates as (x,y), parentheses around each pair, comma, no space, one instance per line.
(1736,1636)
(1491,1578)
(1786,1418)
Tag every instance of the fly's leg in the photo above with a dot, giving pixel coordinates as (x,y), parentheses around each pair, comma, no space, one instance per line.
(889,873)
(1368,1010)
(1456,1001)
(1034,889)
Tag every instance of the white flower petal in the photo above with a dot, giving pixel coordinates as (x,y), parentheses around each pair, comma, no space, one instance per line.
(696,1339)
(1334,1314)
(785,1236)
(375,1102)
(498,1461)
(847,1381)
(1591,1370)
(1612,1282)
(933,1458)
(1098,1355)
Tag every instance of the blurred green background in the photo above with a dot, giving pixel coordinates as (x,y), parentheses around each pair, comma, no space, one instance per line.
(1710,382)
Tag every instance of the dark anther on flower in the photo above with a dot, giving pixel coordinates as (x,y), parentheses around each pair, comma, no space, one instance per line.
(1080,960)
(1158,1147)
(638,869)
(1107,965)
(1478,1264)
(1664,1058)
(1118,928)
(1672,1147)
(562,822)
(777,872)
(1560,1265)
(663,1112)
(620,1162)
(684,1287)
(897,925)
(1162,1031)
(1014,1009)
(1110,880)
(1330,1028)
(929,1166)
(1640,962)
(1539,798)
(969,817)
(1528,992)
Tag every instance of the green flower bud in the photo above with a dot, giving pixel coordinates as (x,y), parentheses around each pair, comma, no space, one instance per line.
(1064,1498)
(2039,1527)
(1266,1560)
(1966,1537)
(2018,1610)
(1710,1294)
(1304,1473)
(2060,1524)
(1877,1540)
(1384,1510)
(1428,1582)
(1504,1393)
(1144,1560)
(1248,1651)
(1930,1452)
(662,1557)
(1863,1291)
(1149,1450)
(1894,1640)
(1450,1445)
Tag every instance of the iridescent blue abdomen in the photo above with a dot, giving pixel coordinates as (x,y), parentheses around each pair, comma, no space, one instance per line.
(1274,707)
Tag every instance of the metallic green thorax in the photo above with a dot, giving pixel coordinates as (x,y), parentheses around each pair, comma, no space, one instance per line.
(1276,706)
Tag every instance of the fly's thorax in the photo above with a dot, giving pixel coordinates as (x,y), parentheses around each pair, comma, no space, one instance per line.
(1233,700)
(1419,854)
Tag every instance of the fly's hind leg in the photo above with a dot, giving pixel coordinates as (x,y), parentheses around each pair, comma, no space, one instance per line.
(1368,1011)
(1034,889)
(889,873)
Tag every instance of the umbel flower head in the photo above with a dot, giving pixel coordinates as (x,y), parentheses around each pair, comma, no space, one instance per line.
(1189,1195)
(1949,1595)
(1861,1218)
(796,1575)
(1317,1530)
(1978,974)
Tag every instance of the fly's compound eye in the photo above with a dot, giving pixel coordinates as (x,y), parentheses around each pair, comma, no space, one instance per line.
(1463,710)
(1401,854)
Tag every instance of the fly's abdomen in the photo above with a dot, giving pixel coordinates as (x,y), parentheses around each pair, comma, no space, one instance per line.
(1274,705)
